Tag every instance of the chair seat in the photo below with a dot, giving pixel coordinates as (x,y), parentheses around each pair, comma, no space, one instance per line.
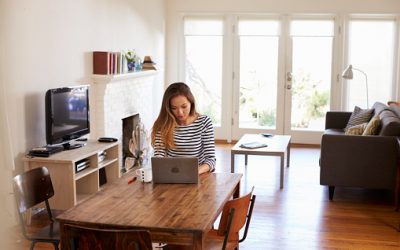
(50,232)
(215,241)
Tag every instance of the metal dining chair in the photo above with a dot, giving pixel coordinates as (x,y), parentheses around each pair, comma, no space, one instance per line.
(32,188)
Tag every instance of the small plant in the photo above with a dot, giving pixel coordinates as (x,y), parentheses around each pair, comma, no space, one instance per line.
(130,56)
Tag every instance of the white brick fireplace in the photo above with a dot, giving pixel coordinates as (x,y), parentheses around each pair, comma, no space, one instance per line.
(114,97)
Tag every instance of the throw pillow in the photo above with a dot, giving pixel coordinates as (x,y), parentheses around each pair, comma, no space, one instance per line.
(357,129)
(359,116)
(372,126)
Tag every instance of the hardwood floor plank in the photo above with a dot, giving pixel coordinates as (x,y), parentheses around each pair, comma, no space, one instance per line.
(300,216)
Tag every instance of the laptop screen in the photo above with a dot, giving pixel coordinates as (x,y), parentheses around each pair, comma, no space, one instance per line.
(175,169)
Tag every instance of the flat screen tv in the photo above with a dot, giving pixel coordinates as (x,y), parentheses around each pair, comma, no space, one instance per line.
(67,115)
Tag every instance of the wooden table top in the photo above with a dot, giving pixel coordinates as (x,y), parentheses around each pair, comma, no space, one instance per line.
(156,207)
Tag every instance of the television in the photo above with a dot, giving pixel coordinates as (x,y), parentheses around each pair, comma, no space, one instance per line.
(67,115)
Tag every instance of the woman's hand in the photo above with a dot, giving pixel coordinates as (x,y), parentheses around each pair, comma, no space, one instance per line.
(204,168)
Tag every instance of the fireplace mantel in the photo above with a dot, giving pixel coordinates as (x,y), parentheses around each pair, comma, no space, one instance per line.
(104,79)
(114,97)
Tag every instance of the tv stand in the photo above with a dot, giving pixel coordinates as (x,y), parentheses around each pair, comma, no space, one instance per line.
(69,146)
(71,186)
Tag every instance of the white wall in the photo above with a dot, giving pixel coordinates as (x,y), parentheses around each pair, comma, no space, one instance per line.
(175,8)
(47,44)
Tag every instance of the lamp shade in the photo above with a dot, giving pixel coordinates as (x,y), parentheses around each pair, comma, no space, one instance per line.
(348,72)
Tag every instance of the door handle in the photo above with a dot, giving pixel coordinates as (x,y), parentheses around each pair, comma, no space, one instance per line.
(289,80)
(289,76)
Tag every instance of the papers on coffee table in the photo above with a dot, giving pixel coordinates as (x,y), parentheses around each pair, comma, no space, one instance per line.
(253,145)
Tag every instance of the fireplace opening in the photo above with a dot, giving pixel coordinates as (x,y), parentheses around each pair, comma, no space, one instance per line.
(128,125)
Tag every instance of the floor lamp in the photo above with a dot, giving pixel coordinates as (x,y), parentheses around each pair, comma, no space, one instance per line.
(348,74)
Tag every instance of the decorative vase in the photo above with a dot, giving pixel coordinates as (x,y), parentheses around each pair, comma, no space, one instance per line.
(131,66)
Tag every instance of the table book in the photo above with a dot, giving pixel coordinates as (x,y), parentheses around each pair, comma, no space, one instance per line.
(253,145)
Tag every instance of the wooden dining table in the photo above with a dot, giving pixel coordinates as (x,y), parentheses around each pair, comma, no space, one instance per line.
(173,213)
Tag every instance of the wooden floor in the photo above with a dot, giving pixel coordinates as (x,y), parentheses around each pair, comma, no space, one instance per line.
(300,216)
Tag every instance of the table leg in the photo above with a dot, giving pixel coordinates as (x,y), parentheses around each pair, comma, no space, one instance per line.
(63,237)
(232,162)
(288,154)
(282,169)
(245,160)
(236,192)
(397,191)
(197,241)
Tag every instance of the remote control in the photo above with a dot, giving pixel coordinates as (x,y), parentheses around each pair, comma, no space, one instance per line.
(81,139)
(107,139)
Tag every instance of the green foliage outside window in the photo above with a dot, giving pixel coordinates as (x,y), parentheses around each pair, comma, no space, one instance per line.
(307,96)
(267,118)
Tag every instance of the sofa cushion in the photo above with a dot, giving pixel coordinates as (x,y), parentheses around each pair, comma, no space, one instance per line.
(378,107)
(357,129)
(359,116)
(390,122)
(372,127)
(395,108)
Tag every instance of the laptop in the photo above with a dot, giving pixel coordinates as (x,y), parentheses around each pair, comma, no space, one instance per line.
(175,169)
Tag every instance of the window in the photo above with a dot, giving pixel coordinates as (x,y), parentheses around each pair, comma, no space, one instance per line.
(312,48)
(370,49)
(259,46)
(203,63)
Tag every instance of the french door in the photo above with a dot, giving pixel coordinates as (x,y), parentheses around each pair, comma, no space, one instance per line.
(308,77)
(281,73)
(285,75)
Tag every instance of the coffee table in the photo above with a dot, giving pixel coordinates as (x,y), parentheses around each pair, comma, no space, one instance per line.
(278,145)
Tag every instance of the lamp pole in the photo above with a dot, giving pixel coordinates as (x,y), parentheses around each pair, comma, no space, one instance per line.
(348,74)
(366,83)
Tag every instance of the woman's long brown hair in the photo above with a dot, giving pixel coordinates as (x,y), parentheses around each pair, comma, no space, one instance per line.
(166,122)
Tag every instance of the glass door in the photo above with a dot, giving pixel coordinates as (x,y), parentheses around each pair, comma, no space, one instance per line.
(257,82)
(284,81)
(203,60)
(270,73)
(308,78)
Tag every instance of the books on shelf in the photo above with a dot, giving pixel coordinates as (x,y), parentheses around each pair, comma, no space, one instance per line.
(108,63)
(111,63)
(101,62)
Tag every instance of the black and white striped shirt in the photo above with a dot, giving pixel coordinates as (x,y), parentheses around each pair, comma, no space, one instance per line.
(196,139)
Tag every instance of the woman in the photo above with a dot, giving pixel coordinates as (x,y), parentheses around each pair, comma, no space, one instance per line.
(180,131)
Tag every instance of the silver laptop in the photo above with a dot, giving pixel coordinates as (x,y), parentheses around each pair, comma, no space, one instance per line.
(175,169)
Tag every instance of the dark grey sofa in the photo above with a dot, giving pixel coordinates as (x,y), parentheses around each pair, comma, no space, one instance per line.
(360,161)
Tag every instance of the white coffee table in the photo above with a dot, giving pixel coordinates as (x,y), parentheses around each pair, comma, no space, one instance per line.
(278,145)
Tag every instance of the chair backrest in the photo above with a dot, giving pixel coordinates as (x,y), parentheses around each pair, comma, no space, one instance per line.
(243,208)
(32,187)
(83,238)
